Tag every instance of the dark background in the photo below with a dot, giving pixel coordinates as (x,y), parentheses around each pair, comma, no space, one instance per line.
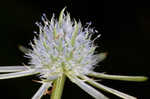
(125,29)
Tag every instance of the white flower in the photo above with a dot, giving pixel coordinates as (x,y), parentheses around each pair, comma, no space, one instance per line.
(64,47)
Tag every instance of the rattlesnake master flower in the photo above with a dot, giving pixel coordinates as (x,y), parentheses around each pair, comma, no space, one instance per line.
(64,48)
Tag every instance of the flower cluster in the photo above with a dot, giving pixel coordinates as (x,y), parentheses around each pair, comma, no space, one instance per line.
(64,48)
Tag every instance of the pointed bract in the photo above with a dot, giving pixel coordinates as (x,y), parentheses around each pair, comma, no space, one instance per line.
(4,69)
(41,90)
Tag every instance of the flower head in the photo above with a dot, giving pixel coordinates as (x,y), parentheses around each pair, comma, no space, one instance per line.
(64,47)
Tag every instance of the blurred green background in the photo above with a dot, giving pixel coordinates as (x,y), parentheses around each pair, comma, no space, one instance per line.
(126,38)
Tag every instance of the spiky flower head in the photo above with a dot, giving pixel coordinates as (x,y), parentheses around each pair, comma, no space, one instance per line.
(62,45)
(64,48)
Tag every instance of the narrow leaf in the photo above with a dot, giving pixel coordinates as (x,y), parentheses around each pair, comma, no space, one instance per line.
(12,68)
(90,90)
(41,91)
(118,77)
(107,89)
(18,74)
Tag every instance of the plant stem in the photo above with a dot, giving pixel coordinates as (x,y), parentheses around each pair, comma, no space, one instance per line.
(58,87)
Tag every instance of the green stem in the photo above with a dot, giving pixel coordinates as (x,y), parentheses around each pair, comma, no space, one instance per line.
(58,87)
